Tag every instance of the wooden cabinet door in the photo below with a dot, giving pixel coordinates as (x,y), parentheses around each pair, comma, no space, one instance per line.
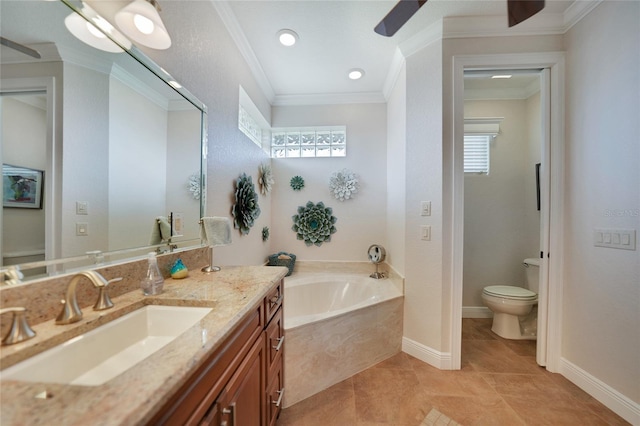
(242,402)
(275,369)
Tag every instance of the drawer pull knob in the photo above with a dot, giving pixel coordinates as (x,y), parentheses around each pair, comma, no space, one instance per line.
(279,345)
(279,401)
(275,300)
(231,410)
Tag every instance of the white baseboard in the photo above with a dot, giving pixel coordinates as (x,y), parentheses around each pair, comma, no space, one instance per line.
(611,398)
(476,312)
(440,360)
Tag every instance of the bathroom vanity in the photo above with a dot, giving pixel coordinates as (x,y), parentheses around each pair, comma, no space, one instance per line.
(225,369)
(240,383)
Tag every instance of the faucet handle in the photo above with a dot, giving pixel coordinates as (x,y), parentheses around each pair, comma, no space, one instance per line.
(104,301)
(20,330)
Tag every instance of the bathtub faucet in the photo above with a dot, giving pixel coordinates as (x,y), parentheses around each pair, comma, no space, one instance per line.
(377,275)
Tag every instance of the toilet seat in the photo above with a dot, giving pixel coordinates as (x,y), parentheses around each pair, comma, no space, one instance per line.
(510,292)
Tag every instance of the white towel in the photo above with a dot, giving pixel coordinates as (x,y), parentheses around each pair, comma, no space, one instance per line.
(161,231)
(216,231)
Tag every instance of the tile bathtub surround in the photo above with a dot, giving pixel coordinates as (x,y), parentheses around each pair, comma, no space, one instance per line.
(499,384)
(42,297)
(135,395)
(365,268)
(326,352)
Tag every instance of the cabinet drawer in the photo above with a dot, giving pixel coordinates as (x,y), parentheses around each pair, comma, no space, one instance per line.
(275,342)
(190,404)
(273,301)
(275,394)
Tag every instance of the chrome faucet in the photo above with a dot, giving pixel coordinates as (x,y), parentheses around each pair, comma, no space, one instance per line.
(70,310)
(20,330)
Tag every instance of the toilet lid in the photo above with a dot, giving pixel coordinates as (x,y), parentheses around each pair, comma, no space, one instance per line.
(510,292)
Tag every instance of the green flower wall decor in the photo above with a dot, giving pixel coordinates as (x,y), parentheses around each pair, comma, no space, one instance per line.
(314,223)
(297,183)
(265,233)
(246,209)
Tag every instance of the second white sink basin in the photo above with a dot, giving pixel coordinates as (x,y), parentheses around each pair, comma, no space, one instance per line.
(98,356)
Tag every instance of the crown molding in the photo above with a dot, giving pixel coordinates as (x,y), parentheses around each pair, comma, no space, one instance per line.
(422,39)
(395,68)
(496,26)
(231,23)
(330,99)
(578,10)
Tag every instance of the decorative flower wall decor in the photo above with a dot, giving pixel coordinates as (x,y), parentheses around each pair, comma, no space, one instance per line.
(343,184)
(246,209)
(314,223)
(194,185)
(297,183)
(265,178)
(265,233)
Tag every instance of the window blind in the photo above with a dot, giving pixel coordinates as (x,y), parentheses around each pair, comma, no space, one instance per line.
(476,153)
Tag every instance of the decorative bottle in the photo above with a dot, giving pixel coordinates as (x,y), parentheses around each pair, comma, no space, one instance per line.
(153,282)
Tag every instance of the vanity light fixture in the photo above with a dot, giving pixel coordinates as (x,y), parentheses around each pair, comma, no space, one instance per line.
(141,21)
(356,74)
(287,37)
(88,32)
(501,76)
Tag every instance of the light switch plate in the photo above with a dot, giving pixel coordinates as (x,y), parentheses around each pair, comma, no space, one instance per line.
(425,208)
(82,229)
(624,239)
(425,232)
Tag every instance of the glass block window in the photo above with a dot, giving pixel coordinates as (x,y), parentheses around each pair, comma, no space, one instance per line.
(476,153)
(305,142)
(249,126)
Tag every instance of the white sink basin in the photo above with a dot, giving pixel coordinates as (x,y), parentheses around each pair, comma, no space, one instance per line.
(98,356)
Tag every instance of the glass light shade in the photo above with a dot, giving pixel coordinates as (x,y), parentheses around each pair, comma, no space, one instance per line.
(140,21)
(89,34)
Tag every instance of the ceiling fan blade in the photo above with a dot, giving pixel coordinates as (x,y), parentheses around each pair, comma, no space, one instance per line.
(520,10)
(398,16)
(19,47)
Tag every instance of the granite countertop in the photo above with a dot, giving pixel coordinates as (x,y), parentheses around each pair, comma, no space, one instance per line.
(136,395)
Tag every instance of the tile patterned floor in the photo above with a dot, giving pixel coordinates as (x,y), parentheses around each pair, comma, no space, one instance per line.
(499,384)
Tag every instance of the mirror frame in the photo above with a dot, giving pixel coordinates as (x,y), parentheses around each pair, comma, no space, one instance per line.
(96,259)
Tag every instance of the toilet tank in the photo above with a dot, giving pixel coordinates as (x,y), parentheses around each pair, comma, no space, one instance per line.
(532,273)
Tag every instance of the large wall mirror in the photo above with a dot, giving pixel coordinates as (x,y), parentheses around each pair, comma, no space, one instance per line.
(97,148)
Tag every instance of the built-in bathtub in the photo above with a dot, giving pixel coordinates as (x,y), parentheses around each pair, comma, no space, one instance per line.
(336,325)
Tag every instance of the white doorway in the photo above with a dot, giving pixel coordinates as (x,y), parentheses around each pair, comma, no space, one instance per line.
(551,81)
(42,91)
(503,144)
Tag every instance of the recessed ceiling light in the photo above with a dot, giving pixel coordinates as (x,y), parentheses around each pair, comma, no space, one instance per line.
(287,37)
(501,76)
(356,74)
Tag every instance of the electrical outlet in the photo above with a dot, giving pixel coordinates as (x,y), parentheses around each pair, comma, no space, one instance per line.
(82,207)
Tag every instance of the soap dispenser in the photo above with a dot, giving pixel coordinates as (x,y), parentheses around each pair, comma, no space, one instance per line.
(153,282)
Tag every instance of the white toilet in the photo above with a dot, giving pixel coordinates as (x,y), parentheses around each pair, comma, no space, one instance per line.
(513,317)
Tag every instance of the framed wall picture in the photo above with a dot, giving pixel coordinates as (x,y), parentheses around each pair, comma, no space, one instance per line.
(21,187)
